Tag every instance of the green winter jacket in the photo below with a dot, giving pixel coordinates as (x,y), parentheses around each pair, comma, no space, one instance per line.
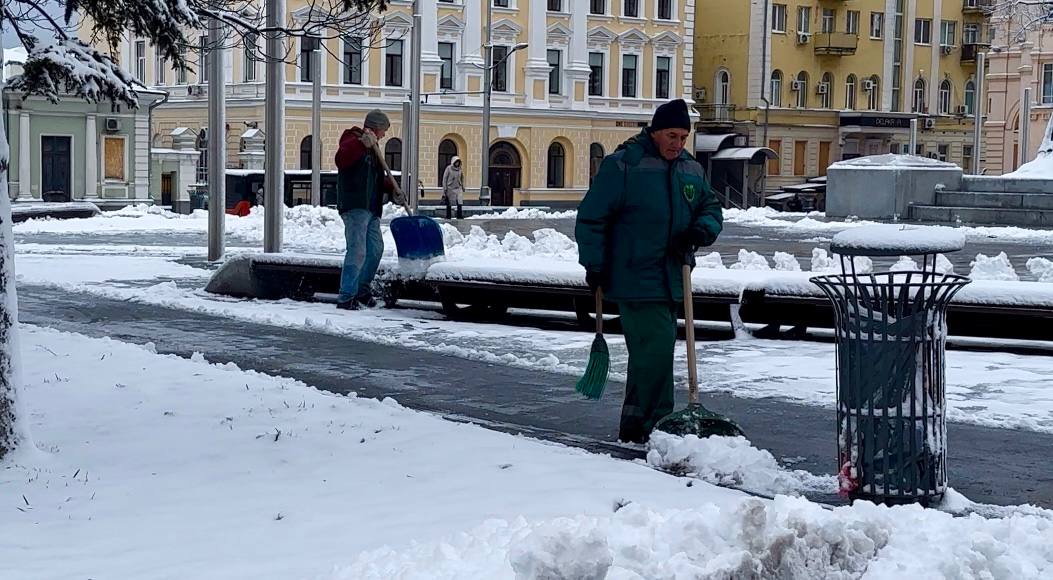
(637,202)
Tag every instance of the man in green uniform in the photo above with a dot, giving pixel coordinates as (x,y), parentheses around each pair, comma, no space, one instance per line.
(647,212)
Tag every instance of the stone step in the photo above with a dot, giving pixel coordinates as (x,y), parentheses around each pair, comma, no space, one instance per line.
(1039,201)
(998,184)
(982,215)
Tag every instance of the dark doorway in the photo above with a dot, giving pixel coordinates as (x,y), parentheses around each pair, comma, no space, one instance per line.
(506,172)
(55,170)
(166,189)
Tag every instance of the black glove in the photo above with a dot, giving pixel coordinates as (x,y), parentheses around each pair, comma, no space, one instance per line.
(684,243)
(594,278)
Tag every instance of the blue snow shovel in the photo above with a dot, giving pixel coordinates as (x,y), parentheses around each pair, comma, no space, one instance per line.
(418,238)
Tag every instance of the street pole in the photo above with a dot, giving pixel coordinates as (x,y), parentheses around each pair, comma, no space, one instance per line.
(913,137)
(978,109)
(274,118)
(1025,127)
(488,62)
(411,163)
(316,124)
(217,141)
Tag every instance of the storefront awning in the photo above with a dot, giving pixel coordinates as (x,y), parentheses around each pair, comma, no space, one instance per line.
(754,155)
(709,143)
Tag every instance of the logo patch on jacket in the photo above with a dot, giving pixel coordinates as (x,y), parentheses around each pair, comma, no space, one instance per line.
(689,192)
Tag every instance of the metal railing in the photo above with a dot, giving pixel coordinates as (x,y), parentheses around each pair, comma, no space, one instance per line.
(971,49)
(716,113)
(835,43)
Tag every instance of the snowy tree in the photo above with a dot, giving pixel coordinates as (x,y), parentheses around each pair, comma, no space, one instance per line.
(59,64)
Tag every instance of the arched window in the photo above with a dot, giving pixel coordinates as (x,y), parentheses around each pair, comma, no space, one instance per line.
(776,88)
(919,96)
(945,97)
(393,154)
(305,153)
(826,91)
(970,97)
(723,87)
(874,93)
(557,158)
(596,155)
(850,92)
(800,86)
(447,151)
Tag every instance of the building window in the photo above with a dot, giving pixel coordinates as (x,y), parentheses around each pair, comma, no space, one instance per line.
(665,9)
(850,92)
(249,58)
(877,25)
(804,19)
(778,18)
(852,22)
(446,54)
(800,86)
(663,70)
(500,59)
(971,34)
(393,66)
(923,31)
(723,87)
(775,165)
(393,154)
(202,60)
(629,75)
(919,97)
(967,157)
(970,94)
(160,64)
(555,72)
(555,5)
(307,44)
(140,61)
(596,74)
(181,71)
(942,151)
(352,60)
(596,155)
(557,158)
(631,8)
(447,151)
(874,93)
(776,88)
(113,158)
(598,7)
(826,89)
(1047,84)
(945,97)
(948,32)
(305,152)
(501,3)
(828,19)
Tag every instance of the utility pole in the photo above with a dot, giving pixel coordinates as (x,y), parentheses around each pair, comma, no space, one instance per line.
(274,117)
(913,137)
(1025,127)
(217,140)
(316,121)
(411,132)
(488,63)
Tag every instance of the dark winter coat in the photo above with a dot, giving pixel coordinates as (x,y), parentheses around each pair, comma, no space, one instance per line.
(637,203)
(361,183)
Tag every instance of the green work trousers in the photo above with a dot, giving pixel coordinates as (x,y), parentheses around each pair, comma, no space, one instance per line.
(650,336)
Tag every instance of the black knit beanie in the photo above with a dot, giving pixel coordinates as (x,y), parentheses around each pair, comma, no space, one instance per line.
(672,115)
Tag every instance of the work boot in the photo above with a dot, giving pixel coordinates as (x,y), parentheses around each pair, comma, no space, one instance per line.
(460,212)
(349,305)
(366,302)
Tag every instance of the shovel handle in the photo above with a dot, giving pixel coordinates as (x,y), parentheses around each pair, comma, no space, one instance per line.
(599,311)
(689,331)
(387,172)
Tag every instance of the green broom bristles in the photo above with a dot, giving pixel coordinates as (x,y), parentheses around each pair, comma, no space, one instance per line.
(699,421)
(591,385)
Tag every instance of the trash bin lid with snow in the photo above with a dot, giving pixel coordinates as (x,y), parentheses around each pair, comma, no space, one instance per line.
(897,240)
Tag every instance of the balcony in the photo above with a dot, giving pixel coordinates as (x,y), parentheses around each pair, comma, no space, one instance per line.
(977,6)
(971,49)
(835,43)
(716,114)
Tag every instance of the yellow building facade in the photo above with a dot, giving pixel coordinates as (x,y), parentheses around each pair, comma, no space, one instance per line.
(591,75)
(819,81)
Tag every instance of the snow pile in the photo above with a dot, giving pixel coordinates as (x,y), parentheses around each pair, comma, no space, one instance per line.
(1041,268)
(943,265)
(547,243)
(786,262)
(750,261)
(526,213)
(710,261)
(731,461)
(133,218)
(904,239)
(996,268)
(905,264)
(564,548)
(824,263)
(894,161)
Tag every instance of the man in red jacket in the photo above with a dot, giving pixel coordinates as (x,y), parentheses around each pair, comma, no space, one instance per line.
(362,189)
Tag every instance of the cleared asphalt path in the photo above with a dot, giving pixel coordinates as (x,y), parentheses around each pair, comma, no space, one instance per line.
(988,465)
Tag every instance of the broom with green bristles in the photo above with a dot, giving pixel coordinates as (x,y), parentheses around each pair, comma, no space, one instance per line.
(595,379)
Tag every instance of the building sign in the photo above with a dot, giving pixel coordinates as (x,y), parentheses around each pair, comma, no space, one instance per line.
(876,121)
(630,123)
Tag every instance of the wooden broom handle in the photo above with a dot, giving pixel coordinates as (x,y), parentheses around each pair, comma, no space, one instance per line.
(689,331)
(599,311)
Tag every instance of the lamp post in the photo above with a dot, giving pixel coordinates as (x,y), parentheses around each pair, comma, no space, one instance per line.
(488,69)
(315,44)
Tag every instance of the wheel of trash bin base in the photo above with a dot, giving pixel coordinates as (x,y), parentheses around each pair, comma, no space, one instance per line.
(897,240)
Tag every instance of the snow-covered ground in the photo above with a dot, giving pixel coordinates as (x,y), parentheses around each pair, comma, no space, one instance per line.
(160,467)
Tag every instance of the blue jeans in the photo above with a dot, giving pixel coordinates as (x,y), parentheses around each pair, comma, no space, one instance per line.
(365,246)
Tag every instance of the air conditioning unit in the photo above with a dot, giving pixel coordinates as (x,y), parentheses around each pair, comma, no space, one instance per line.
(823,88)
(803,37)
(700,95)
(929,123)
(868,85)
(946,49)
(961,110)
(112,124)
(797,86)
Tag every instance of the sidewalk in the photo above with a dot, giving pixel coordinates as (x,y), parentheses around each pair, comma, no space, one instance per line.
(987,465)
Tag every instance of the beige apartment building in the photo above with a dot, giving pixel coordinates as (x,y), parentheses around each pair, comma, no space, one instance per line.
(591,76)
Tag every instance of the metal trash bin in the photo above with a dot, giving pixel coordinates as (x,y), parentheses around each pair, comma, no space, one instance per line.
(891,338)
(199,199)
